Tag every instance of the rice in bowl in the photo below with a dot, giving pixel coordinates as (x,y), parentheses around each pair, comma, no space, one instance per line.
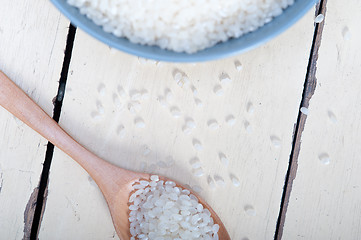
(181,26)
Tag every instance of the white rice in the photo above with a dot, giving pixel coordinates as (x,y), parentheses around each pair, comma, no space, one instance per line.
(304,110)
(250,210)
(211,182)
(176,113)
(332,116)
(319,18)
(139,123)
(275,141)
(250,108)
(195,91)
(198,102)
(213,124)
(224,160)
(324,158)
(346,33)
(231,120)
(235,181)
(219,180)
(190,123)
(199,172)
(224,78)
(197,145)
(161,210)
(195,163)
(238,65)
(218,90)
(181,26)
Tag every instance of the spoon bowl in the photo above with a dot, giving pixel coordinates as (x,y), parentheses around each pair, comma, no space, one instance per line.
(115,183)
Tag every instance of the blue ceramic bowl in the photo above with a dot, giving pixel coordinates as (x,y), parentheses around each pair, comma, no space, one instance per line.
(229,48)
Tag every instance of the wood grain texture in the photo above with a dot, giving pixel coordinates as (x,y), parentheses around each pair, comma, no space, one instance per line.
(32,40)
(325,200)
(263,98)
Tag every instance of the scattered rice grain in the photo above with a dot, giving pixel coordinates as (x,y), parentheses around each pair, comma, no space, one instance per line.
(332,116)
(250,210)
(194,91)
(346,33)
(304,110)
(224,160)
(197,145)
(250,108)
(235,180)
(162,102)
(213,124)
(248,127)
(319,18)
(135,95)
(230,120)
(198,102)
(190,123)
(218,90)
(121,92)
(175,112)
(224,78)
(145,95)
(120,131)
(139,123)
(134,107)
(101,89)
(219,180)
(275,141)
(238,65)
(199,172)
(169,96)
(324,158)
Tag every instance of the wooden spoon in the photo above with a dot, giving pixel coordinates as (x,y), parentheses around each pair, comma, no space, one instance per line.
(114,182)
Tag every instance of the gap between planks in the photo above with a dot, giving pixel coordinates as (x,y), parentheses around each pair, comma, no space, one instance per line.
(36,204)
(308,91)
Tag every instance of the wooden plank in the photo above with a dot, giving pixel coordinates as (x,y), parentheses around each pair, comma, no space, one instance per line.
(32,38)
(263,97)
(325,200)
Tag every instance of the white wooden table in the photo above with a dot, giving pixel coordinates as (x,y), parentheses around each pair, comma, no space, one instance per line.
(289,175)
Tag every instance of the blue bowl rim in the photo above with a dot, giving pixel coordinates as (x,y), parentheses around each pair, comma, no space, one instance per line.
(245,43)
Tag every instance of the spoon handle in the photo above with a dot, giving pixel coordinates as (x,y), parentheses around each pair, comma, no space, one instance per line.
(15,100)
